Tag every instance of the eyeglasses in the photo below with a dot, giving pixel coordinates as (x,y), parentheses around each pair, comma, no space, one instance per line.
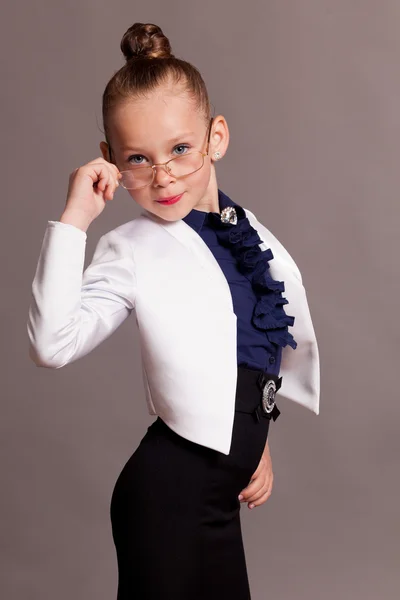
(179,166)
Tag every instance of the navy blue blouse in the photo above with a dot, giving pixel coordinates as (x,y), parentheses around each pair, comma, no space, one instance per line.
(262,324)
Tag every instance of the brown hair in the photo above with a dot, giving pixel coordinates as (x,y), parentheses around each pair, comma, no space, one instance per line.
(150,63)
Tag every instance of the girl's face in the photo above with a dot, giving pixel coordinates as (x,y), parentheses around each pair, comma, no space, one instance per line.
(160,127)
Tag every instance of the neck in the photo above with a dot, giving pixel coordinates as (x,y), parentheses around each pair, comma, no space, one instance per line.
(209,202)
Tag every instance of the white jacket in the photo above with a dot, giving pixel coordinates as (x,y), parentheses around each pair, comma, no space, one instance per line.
(183,306)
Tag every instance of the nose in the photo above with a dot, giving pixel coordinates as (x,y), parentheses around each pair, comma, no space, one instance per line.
(161,176)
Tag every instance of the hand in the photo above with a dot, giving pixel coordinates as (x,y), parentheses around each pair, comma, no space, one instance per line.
(259,489)
(90,186)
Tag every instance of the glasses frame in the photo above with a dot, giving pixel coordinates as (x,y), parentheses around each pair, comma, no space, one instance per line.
(153,167)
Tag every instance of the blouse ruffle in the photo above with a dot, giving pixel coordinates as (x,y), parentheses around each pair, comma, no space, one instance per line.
(243,241)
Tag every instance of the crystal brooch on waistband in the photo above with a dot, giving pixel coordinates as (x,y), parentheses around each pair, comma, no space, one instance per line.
(268,396)
(228,215)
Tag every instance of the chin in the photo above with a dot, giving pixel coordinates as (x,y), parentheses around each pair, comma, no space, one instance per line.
(173,212)
(168,213)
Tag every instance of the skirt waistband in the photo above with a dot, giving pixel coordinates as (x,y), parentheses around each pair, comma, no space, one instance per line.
(255,393)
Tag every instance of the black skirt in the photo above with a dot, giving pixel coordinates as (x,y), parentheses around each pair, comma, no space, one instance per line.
(175,511)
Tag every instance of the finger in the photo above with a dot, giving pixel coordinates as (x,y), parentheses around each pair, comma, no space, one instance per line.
(109,193)
(267,487)
(260,500)
(113,185)
(100,161)
(105,182)
(115,171)
(253,487)
(260,492)
(98,175)
(117,176)
(265,477)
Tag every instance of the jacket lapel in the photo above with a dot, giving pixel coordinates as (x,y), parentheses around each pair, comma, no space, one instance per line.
(282,267)
(195,244)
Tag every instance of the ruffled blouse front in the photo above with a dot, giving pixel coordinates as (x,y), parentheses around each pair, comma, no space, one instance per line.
(243,241)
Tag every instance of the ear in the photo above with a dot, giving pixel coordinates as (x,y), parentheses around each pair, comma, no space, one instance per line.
(219,139)
(104,151)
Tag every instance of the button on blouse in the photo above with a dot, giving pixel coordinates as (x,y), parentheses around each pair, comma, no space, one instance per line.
(262,323)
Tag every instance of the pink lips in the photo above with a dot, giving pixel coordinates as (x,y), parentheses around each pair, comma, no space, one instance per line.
(171,200)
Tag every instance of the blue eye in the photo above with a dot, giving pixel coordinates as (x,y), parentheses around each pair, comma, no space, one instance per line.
(135,156)
(141,163)
(186,146)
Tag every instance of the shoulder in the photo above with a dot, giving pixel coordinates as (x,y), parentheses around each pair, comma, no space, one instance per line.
(123,231)
(129,232)
(269,238)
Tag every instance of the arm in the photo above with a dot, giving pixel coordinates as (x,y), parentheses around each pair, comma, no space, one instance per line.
(73,312)
(259,488)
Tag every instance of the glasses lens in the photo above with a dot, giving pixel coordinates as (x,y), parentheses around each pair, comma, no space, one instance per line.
(185,164)
(136,177)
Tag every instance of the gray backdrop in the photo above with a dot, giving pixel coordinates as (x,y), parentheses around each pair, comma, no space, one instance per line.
(311,93)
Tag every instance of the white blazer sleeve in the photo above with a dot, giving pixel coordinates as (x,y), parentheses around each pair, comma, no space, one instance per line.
(71,311)
(300,367)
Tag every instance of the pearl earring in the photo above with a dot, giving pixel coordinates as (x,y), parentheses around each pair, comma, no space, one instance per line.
(217,155)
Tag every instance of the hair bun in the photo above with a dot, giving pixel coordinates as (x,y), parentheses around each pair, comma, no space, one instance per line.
(145,40)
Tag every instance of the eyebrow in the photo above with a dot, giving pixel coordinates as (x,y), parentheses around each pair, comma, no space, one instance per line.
(172,141)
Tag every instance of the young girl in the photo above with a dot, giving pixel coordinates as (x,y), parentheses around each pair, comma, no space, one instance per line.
(206,281)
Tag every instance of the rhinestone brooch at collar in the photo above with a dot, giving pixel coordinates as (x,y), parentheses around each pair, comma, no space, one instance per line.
(268,396)
(228,215)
